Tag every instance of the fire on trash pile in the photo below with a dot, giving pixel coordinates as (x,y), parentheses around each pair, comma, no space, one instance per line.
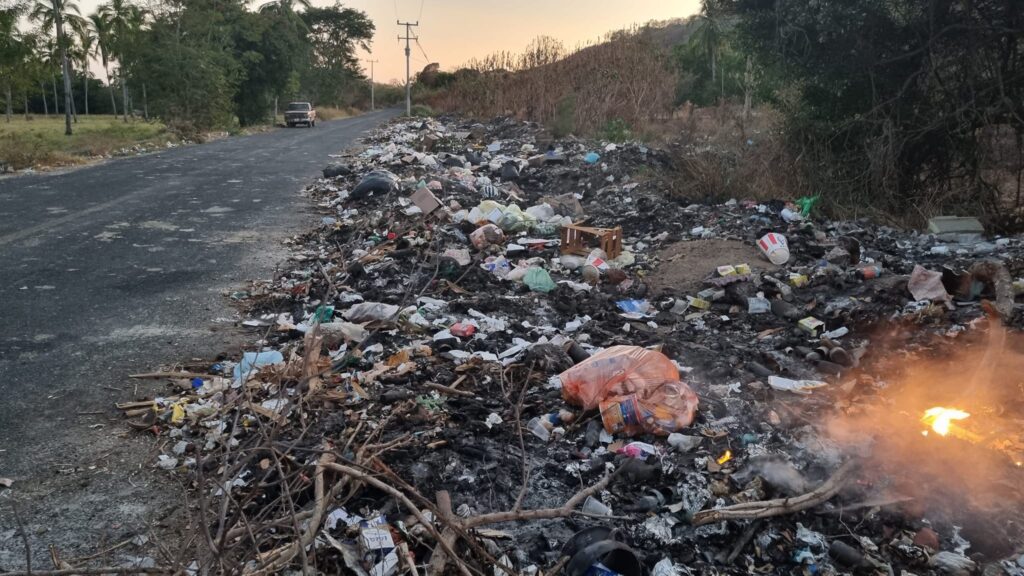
(503,354)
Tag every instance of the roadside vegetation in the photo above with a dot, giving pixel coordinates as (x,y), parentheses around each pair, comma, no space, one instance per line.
(899,110)
(41,141)
(196,65)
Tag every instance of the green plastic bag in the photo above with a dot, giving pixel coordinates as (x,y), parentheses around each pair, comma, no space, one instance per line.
(539,280)
(806,204)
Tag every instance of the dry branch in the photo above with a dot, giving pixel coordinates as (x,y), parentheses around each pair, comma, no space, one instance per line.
(779,506)
(93,571)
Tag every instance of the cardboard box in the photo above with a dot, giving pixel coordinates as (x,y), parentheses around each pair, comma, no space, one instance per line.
(425,200)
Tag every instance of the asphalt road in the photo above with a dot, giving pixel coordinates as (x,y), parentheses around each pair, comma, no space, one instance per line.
(118,268)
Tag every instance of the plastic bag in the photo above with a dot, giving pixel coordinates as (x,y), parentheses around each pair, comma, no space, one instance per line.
(486,235)
(637,391)
(380,181)
(370,312)
(513,219)
(539,280)
(252,361)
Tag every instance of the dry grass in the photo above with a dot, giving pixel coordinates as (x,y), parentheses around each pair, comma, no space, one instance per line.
(40,141)
(335,113)
(628,79)
(719,155)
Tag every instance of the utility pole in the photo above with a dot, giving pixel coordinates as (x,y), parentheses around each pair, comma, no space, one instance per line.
(372,104)
(408,53)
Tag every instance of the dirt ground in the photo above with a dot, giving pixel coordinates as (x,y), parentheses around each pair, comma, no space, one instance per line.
(684,265)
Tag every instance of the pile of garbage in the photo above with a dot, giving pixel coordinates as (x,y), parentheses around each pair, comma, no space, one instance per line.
(502,353)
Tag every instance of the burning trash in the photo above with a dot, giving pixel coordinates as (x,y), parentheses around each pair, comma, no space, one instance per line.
(484,361)
(941,419)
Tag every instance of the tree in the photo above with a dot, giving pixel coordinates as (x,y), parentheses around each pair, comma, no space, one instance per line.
(12,50)
(103,31)
(709,37)
(269,46)
(893,100)
(82,51)
(186,58)
(334,35)
(125,20)
(284,6)
(54,13)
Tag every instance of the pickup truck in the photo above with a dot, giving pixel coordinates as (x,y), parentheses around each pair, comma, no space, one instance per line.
(300,113)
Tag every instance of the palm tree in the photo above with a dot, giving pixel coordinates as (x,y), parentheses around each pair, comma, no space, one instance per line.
(10,49)
(125,21)
(86,46)
(284,6)
(103,32)
(708,39)
(54,13)
(33,68)
(104,36)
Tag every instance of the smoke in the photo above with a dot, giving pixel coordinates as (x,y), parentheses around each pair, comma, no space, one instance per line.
(975,472)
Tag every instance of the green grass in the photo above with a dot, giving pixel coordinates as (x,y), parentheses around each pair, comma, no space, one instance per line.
(40,142)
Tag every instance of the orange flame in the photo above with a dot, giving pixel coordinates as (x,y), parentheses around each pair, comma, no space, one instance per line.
(724,457)
(941,419)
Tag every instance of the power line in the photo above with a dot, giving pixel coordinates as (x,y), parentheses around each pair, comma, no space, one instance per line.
(422,51)
(421,10)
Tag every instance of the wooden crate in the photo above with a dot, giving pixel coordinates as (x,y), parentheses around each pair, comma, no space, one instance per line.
(579,240)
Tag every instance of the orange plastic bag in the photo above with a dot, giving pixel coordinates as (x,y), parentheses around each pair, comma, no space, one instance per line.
(637,390)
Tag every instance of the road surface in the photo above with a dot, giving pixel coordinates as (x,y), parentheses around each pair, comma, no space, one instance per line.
(113,269)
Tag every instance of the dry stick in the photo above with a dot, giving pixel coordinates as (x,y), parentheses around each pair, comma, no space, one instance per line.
(448,390)
(522,443)
(291,509)
(779,506)
(394,492)
(566,510)
(745,539)
(102,553)
(461,527)
(278,559)
(126,570)
(170,375)
(24,538)
(439,560)
(452,525)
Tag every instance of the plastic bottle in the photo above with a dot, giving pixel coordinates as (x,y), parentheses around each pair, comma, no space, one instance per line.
(869,272)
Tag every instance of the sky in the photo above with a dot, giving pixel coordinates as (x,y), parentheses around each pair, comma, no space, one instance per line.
(452,32)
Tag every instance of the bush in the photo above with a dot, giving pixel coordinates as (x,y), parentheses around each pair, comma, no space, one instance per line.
(616,130)
(20,151)
(422,111)
(564,122)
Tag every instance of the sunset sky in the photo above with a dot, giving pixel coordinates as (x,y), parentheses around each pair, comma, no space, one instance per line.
(454,31)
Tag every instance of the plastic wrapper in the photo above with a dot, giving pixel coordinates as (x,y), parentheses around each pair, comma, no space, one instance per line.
(637,391)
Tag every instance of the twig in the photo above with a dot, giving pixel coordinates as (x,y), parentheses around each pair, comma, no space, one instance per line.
(779,506)
(277,559)
(126,570)
(438,560)
(745,539)
(566,510)
(360,475)
(447,390)
(24,538)
(522,443)
(171,375)
(102,553)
